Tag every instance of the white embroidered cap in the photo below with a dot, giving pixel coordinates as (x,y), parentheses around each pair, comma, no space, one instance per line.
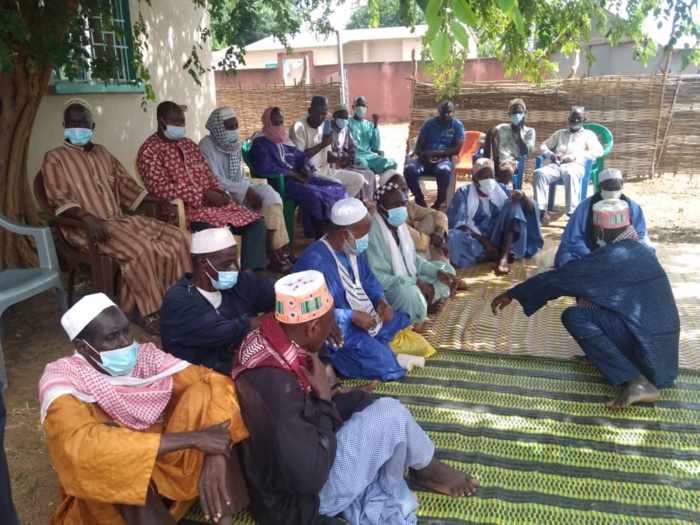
(609,173)
(212,240)
(83,312)
(346,212)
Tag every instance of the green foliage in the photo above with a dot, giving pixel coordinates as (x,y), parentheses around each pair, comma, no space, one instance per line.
(385,13)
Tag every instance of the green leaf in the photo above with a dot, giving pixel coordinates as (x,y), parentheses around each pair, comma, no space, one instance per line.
(517,17)
(432,13)
(464,13)
(431,32)
(507,5)
(441,47)
(460,33)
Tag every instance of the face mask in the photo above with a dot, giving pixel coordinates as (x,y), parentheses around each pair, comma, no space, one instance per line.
(227,280)
(341,122)
(175,132)
(232,136)
(362,243)
(486,186)
(397,216)
(117,362)
(517,118)
(615,194)
(360,111)
(78,136)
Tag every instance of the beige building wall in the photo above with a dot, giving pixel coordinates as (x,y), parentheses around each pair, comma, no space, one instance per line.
(121,125)
(258,59)
(385,51)
(408,45)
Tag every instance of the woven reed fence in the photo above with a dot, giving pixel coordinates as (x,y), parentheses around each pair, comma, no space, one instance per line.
(250,102)
(653,122)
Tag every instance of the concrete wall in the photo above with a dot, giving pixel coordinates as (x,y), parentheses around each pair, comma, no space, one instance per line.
(121,125)
(385,51)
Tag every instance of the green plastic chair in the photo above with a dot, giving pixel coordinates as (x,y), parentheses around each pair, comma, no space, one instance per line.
(276,180)
(606,139)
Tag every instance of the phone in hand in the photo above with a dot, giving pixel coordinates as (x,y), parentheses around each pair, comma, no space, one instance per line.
(326,127)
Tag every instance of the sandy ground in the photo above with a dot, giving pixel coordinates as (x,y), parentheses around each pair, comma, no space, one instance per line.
(33,335)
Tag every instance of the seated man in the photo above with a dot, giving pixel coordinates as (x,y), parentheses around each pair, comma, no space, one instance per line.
(84,181)
(410,282)
(505,143)
(626,320)
(580,238)
(428,227)
(313,136)
(364,316)
(568,150)
(222,150)
(272,151)
(313,453)
(366,137)
(438,140)
(172,166)
(134,433)
(206,315)
(344,151)
(491,222)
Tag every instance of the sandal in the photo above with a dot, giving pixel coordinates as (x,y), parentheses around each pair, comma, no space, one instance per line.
(150,323)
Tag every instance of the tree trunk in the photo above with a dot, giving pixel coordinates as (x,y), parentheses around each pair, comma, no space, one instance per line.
(20,96)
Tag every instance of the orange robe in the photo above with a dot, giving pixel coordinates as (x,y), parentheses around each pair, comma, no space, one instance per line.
(100,465)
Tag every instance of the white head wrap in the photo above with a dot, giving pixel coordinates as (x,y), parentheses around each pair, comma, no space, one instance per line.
(609,173)
(346,212)
(83,312)
(212,240)
(387,176)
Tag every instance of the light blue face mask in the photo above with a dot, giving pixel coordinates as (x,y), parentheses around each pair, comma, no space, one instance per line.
(226,281)
(397,216)
(175,132)
(78,136)
(362,243)
(353,246)
(360,111)
(341,122)
(517,118)
(232,136)
(118,362)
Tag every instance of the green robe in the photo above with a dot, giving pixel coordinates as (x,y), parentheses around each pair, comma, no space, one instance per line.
(367,140)
(401,291)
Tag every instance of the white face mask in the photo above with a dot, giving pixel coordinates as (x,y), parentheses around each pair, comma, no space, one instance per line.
(486,186)
(607,195)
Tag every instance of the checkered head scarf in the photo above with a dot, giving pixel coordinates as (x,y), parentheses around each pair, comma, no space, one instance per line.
(384,189)
(217,132)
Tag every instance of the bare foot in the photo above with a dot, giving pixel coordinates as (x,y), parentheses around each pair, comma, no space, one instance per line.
(581,360)
(442,478)
(639,390)
(436,307)
(511,257)
(415,496)
(419,328)
(461,285)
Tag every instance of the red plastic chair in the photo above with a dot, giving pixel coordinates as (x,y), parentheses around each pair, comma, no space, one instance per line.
(466,155)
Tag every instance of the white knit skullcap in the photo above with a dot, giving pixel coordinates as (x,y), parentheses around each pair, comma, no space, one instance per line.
(346,212)
(609,173)
(83,312)
(212,240)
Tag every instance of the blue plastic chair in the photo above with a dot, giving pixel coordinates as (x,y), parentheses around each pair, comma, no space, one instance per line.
(553,186)
(517,180)
(18,285)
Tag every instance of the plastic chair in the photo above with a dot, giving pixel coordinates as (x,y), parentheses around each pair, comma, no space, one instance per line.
(517,179)
(453,175)
(606,139)
(553,186)
(470,149)
(18,285)
(276,180)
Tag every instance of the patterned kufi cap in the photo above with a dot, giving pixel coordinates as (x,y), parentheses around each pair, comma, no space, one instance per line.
(611,214)
(482,164)
(386,188)
(77,101)
(302,297)
(83,312)
(341,107)
(517,102)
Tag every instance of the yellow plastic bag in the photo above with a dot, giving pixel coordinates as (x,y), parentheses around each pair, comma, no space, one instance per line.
(409,342)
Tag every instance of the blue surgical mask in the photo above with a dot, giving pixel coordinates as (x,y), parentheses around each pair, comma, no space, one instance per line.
(353,246)
(517,118)
(341,122)
(175,132)
(360,111)
(118,362)
(78,136)
(232,136)
(397,216)
(226,281)
(362,243)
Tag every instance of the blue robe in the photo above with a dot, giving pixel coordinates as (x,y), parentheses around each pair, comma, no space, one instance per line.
(362,356)
(193,330)
(574,244)
(638,329)
(466,251)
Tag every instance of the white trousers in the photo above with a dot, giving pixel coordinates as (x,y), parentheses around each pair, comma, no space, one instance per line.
(352,180)
(570,173)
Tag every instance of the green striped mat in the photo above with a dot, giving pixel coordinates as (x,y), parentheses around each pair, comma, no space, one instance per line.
(545,449)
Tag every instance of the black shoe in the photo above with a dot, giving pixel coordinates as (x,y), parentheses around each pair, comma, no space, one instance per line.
(545,218)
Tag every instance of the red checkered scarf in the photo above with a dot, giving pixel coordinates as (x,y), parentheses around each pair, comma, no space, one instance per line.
(270,346)
(136,400)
